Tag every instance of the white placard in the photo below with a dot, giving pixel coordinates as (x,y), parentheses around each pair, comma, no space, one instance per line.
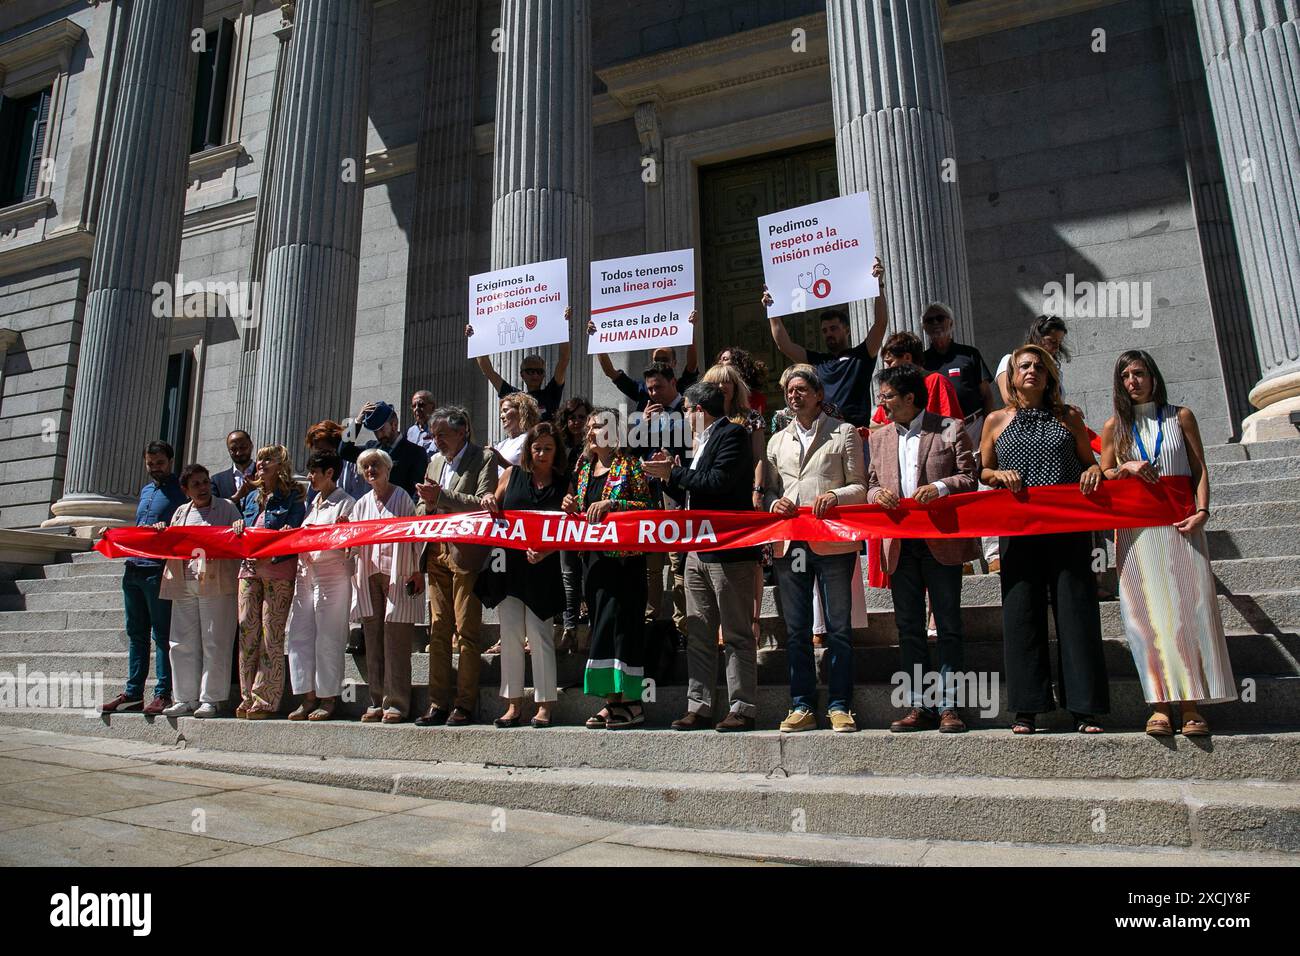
(819,255)
(642,302)
(521,307)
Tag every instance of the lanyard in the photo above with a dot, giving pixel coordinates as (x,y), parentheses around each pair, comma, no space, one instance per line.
(1160,438)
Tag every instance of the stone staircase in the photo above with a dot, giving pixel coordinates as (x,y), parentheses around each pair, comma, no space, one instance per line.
(1236,792)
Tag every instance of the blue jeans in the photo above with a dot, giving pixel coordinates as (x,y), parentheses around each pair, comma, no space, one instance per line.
(146,613)
(834,576)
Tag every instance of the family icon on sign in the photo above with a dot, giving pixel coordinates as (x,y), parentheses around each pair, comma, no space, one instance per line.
(509,331)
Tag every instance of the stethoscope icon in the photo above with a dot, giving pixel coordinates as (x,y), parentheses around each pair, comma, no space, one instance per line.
(815,281)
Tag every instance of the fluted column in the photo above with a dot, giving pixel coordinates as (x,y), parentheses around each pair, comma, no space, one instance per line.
(541,197)
(121,367)
(309,288)
(1252,59)
(889,91)
(442,221)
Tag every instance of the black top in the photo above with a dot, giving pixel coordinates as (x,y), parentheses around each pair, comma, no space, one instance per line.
(847,378)
(539,585)
(636,390)
(548,397)
(409,462)
(722,480)
(964,367)
(595,489)
(1040,447)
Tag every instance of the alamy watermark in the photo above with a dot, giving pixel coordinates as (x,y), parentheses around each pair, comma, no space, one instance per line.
(967,690)
(193,299)
(37,690)
(1075,299)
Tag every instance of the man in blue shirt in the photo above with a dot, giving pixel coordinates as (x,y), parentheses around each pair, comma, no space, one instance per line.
(146,613)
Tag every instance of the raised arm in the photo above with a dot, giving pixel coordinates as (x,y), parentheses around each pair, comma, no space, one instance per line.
(795,353)
(692,353)
(566,349)
(880,313)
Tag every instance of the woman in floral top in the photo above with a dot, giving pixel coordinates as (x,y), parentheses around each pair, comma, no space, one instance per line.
(609,479)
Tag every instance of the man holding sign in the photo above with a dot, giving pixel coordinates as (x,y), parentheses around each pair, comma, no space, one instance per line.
(520,308)
(845,371)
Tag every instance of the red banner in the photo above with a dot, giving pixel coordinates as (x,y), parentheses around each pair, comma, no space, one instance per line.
(1048,510)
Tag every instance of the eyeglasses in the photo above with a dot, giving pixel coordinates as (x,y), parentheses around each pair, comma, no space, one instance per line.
(533,371)
(934,318)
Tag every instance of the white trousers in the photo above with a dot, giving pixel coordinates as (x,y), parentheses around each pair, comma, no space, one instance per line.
(202,641)
(518,622)
(317,635)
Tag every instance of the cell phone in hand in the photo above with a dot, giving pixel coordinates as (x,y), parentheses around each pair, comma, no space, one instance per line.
(410,588)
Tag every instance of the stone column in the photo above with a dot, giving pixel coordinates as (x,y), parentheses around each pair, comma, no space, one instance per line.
(893,138)
(1252,58)
(121,367)
(541,171)
(309,288)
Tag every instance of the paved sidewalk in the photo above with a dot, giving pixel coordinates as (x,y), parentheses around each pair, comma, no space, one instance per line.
(69,801)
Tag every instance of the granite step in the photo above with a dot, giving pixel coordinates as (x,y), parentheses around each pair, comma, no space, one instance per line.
(1255,451)
(1209,815)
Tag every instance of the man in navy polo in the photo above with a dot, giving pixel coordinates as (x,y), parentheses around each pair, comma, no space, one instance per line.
(146,613)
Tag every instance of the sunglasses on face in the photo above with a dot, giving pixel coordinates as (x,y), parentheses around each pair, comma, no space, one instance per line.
(532,371)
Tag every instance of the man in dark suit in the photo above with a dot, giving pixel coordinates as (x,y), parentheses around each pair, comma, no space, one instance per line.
(226,484)
(923,457)
(409,459)
(719,584)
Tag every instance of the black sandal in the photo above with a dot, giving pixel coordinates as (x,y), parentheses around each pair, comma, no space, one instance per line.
(1085,724)
(621,716)
(597,722)
(515,721)
(1024,724)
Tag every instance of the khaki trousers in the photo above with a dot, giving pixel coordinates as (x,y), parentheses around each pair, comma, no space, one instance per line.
(388,654)
(453,607)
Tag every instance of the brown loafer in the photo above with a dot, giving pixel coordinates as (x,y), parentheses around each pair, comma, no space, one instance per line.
(916,719)
(734,722)
(692,721)
(950,723)
(156,706)
(459,717)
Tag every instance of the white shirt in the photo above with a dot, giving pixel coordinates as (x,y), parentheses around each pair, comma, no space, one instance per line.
(806,435)
(328,509)
(699,451)
(909,458)
(512,449)
(450,469)
(419,436)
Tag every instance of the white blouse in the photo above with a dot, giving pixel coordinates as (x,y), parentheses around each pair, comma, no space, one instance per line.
(401,561)
(325,510)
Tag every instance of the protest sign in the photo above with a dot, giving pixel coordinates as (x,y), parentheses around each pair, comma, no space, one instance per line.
(818,255)
(521,307)
(640,302)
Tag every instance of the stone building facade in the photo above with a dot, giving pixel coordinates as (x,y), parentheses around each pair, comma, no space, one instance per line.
(313,182)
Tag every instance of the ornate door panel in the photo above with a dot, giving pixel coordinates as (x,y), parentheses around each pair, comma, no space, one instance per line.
(732,197)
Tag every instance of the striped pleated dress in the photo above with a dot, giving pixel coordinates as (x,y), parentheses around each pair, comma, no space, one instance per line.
(1166,586)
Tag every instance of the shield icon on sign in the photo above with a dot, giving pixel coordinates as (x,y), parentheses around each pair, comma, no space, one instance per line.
(530,322)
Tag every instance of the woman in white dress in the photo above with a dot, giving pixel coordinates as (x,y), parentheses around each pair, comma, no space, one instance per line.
(322,599)
(388,594)
(1166,585)
(204,595)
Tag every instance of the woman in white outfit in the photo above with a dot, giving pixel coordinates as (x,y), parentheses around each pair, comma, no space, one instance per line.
(387,594)
(322,600)
(204,595)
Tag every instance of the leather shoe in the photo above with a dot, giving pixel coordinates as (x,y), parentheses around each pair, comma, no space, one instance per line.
(734,722)
(459,717)
(950,723)
(693,721)
(916,719)
(436,717)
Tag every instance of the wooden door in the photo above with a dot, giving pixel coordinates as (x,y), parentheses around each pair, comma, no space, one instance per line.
(732,197)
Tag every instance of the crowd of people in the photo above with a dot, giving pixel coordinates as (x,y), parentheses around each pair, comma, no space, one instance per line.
(702,441)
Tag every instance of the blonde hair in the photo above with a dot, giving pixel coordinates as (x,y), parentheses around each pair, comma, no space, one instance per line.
(530,413)
(279,478)
(739,403)
(1051,394)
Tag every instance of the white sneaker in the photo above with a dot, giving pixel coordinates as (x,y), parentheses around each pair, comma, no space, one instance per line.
(206,710)
(179,709)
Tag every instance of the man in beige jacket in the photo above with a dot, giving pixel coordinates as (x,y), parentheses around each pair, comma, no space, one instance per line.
(815,462)
(457,478)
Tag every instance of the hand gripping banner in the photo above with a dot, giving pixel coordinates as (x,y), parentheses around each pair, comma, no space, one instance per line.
(1053,509)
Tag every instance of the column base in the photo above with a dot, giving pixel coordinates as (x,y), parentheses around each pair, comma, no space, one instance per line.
(1276,398)
(88,515)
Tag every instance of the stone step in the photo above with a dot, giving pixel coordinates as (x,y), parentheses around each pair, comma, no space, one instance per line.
(88,640)
(1275,704)
(103,584)
(1253,543)
(1255,490)
(1288,448)
(1207,815)
(1256,515)
(1253,470)
(979,753)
